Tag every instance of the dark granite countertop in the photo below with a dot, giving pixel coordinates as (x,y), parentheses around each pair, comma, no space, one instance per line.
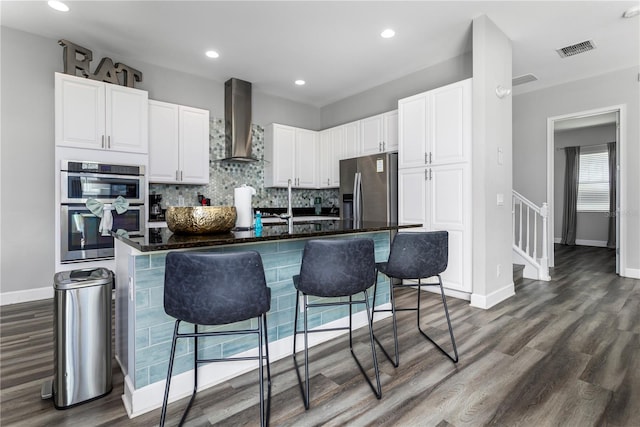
(162,239)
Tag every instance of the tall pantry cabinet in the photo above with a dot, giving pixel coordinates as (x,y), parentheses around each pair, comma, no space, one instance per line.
(434,171)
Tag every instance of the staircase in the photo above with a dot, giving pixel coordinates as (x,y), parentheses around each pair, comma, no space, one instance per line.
(529,224)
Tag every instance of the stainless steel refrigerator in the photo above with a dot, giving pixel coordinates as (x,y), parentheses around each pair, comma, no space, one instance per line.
(369,188)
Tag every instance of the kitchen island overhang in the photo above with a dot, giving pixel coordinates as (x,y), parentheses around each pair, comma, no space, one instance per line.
(143,330)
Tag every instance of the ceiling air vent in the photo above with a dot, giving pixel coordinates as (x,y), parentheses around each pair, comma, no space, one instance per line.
(576,48)
(525,78)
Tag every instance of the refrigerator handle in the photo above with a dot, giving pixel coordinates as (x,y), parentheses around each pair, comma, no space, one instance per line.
(357,197)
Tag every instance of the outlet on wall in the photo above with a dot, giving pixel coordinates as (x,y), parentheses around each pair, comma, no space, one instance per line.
(498,270)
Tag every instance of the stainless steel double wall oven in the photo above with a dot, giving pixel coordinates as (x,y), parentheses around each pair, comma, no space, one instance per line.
(81,239)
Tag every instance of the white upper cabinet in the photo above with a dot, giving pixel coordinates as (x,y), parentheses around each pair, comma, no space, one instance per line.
(97,115)
(434,127)
(330,152)
(193,127)
(390,131)
(290,154)
(163,142)
(379,133)
(371,135)
(351,145)
(306,164)
(178,144)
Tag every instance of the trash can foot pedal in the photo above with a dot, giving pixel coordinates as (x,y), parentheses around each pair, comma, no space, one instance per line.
(46,392)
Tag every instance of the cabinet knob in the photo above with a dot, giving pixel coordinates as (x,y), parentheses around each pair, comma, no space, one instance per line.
(426,158)
(102,142)
(109,141)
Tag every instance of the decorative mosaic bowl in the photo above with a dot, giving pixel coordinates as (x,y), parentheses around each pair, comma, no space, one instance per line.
(201,219)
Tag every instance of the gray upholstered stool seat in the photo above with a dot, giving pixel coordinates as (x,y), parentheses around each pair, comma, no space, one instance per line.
(416,256)
(217,289)
(334,268)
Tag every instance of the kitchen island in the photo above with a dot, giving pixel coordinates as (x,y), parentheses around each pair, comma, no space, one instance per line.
(143,330)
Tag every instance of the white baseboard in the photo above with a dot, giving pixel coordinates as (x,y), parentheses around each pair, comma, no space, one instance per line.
(488,301)
(16,297)
(146,399)
(633,273)
(584,242)
(597,243)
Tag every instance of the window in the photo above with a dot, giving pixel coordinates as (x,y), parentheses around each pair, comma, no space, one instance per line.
(593,183)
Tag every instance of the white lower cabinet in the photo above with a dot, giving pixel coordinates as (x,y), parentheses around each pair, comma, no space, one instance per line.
(439,198)
(290,154)
(178,144)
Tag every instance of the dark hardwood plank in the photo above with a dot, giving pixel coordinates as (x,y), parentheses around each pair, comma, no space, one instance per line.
(558,353)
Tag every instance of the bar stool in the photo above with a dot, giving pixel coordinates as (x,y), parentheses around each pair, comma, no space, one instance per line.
(415,256)
(217,289)
(332,269)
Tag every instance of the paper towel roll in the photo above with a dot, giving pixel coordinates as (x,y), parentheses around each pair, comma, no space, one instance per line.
(242,202)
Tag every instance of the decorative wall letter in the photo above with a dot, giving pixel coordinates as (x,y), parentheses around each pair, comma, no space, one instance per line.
(70,58)
(77,58)
(130,74)
(106,72)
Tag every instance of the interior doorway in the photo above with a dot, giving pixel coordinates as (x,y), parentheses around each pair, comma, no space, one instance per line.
(615,116)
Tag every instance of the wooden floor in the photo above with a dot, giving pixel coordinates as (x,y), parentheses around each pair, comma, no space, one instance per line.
(559,353)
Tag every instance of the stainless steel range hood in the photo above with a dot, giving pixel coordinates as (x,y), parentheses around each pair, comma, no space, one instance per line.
(237,121)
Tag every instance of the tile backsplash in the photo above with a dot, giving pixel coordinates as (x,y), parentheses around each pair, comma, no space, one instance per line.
(225,176)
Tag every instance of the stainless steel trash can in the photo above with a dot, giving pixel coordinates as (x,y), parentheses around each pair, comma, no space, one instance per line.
(82,329)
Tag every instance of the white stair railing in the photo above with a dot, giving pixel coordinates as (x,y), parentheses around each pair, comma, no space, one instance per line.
(529,223)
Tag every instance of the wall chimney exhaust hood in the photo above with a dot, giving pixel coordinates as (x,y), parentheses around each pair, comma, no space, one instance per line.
(237,121)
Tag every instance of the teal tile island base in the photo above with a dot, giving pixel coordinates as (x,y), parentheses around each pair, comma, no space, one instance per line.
(144,331)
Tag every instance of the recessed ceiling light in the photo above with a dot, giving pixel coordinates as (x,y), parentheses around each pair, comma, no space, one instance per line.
(212,54)
(388,33)
(58,5)
(631,12)
(300,82)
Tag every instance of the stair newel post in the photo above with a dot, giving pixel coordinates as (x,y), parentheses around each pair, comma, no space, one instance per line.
(513,217)
(544,262)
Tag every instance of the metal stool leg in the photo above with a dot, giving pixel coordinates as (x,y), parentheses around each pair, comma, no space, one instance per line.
(304,390)
(265,410)
(163,414)
(396,359)
(377,390)
(453,358)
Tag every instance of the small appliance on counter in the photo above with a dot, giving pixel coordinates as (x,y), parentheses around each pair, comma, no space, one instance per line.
(156,213)
(242,201)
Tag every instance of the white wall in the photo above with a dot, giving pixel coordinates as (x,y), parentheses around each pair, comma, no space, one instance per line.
(492,253)
(591,226)
(27,164)
(530,113)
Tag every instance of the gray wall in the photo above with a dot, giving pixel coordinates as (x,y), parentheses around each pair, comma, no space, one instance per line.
(385,97)
(591,225)
(26,167)
(530,113)
(492,233)
(27,153)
